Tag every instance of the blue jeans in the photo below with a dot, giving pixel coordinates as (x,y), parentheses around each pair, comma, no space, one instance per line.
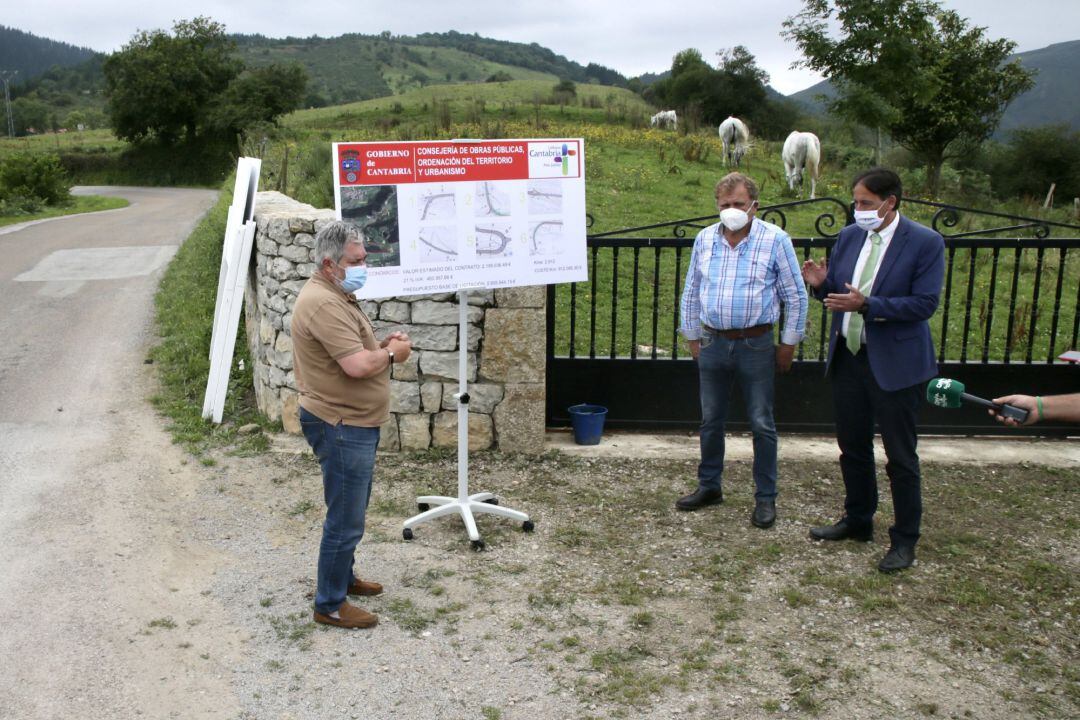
(347,457)
(753,362)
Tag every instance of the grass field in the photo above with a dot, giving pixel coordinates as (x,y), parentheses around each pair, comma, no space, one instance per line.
(639,176)
(78,204)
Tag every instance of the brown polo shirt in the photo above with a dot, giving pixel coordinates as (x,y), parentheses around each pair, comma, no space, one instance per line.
(328,325)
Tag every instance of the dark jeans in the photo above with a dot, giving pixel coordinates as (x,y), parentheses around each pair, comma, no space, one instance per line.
(752,362)
(347,457)
(859,402)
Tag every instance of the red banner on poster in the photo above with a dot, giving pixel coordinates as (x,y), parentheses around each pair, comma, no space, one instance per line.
(396,163)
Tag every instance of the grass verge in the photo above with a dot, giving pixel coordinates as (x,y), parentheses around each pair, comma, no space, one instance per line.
(78,205)
(185,318)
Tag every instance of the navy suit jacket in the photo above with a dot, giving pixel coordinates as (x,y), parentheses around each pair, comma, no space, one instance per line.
(902,299)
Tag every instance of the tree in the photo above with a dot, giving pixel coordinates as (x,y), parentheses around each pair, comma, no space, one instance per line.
(161,86)
(912,68)
(188,86)
(735,87)
(259,96)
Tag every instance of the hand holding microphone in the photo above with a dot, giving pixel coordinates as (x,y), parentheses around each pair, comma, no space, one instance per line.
(947,393)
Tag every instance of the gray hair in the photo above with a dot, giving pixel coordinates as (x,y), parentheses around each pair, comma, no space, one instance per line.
(732,180)
(331,240)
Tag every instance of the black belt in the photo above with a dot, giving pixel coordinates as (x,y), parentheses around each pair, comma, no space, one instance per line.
(740,333)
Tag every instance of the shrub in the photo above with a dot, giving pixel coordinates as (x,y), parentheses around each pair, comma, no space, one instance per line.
(33,177)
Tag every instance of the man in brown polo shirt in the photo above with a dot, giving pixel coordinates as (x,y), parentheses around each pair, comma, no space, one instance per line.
(343,373)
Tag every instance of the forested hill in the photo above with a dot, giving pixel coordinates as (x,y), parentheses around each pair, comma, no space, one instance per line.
(358,67)
(31,55)
(1055,99)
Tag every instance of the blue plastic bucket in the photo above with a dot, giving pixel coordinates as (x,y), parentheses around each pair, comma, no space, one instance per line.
(588,422)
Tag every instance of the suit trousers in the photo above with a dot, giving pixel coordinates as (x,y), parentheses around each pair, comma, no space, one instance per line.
(860,402)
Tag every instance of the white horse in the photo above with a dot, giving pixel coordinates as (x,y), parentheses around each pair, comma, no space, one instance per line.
(665,119)
(802,151)
(736,139)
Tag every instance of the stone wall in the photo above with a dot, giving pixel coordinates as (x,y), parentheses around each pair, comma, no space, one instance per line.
(506,358)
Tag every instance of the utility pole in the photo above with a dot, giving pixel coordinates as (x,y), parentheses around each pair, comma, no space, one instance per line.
(6,76)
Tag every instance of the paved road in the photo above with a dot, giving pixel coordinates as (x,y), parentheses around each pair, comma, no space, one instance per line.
(91,552)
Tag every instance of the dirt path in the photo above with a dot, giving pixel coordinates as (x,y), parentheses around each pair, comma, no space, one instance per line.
(96,552)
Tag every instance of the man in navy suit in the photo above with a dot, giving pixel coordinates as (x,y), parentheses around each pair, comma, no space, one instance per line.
(882,287)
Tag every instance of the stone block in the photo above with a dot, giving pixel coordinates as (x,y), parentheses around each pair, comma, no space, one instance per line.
(483,397)
(276,378)
(407,370)
(532,296)
(282,269)
(414,431)
(271,404)
(295,253)
(283,360)
(444,365)
(514,345)
(404,397)
(481,298)
(389,439)
(278,231)
(394,311)
(428,312)
(370,308)
(266,331)
(293,287)
(431,396)
(283,343)
(432,337)
(290,412)
(444,431)
(265,245)
(304,240)
(301,225)
(276,303)
(519,418)
(305,270)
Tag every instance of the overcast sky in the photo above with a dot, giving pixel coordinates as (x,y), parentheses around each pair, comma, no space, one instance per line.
(631,37)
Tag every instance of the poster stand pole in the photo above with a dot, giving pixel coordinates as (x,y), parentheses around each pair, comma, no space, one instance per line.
(433,506)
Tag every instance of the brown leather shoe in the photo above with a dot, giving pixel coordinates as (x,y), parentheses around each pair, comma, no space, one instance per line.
(364,587)
(352,617)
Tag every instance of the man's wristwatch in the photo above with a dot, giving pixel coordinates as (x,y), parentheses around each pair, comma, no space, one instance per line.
(391,354)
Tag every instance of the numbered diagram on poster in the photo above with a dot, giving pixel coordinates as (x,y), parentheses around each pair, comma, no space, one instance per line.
(545,197)
(437,244)
(546,237)
(492,199)
(374,209)
(494,239)
(436,203)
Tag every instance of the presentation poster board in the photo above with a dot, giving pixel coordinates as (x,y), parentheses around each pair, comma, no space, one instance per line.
(440,216)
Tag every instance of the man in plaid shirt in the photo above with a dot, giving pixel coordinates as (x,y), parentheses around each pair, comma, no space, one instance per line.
(741,270)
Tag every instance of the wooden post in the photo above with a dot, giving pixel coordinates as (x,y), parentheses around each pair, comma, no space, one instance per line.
(1050,196)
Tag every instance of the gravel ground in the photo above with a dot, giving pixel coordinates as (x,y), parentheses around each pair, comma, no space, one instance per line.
(617,606)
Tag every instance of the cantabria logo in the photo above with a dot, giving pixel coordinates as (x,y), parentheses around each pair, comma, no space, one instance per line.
(560,157)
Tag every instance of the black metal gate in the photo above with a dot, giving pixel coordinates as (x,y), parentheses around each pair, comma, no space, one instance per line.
(1009,308)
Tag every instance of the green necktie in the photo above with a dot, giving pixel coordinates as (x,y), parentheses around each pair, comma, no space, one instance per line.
(855,324)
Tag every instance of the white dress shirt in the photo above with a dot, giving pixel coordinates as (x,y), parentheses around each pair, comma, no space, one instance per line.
(886,234)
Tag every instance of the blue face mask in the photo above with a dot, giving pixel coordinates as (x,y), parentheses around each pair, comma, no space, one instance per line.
(355,278)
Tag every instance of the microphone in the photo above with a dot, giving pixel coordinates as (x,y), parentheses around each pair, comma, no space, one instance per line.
(947,393)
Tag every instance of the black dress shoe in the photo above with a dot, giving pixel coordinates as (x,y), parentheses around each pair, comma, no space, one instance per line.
(699,499)
(898,558)
(842,531)
(764,514)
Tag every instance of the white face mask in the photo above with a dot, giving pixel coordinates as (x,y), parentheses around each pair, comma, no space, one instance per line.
(734,219)
(869,219)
